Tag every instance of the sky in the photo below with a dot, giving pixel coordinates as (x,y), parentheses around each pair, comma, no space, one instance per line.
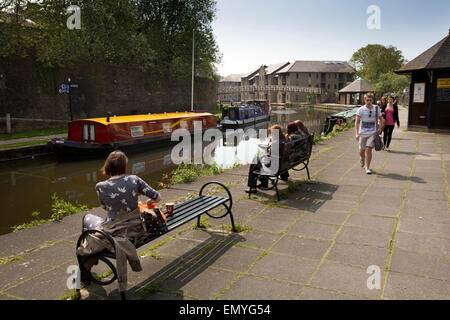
(250,33)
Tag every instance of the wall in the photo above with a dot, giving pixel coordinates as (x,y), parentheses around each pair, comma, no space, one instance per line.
(28,90)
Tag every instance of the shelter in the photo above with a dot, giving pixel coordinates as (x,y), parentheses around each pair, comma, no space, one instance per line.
(430,87)
(354,92)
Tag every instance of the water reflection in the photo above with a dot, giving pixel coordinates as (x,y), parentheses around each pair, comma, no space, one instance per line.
(27,186)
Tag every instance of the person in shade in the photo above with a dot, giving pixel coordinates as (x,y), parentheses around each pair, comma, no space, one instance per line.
(252,177)
(390,115)
(120,191)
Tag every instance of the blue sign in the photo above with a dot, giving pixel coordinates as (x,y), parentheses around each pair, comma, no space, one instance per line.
(65,87)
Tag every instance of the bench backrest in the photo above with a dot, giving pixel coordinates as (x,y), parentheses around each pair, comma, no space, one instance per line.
(294,152)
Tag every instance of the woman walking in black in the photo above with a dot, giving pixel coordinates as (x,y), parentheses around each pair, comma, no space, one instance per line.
(390,115)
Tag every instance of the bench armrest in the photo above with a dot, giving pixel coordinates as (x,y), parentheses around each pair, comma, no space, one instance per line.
(223,186)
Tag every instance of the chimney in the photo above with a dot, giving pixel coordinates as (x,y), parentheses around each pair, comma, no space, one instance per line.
(108,115)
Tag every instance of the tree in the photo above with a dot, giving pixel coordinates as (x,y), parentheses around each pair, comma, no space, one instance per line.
(391,83)
(170,24)
(377,63)
(153,35)
(374,60)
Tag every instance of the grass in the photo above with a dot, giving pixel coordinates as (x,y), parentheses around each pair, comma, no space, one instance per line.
(336,130)
(185,173)
(23,144)
(60,209)
(31,133)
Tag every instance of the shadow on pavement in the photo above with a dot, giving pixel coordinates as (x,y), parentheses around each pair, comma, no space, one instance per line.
(168,281)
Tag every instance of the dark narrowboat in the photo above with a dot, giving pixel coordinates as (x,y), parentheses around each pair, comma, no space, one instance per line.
(248,114)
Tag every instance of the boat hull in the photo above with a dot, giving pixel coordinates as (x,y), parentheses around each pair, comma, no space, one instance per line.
(241,124)
(69,150)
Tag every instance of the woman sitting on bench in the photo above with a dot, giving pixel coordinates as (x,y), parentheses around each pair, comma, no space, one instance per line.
(297,129)
(252,177)
(120,191)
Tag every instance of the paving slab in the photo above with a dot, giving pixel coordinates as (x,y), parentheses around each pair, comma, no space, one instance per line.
(408,287)
(345,278)
(420,264)
(284,267)
(253,288)
(358,254)
(302,247)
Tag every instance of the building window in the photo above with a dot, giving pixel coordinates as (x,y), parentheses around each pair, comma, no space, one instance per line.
(296,97)
(296,75)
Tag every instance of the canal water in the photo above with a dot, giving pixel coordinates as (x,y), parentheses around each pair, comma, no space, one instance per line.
(27,186)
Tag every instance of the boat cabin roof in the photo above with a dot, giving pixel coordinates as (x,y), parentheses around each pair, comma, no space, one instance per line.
(146,117)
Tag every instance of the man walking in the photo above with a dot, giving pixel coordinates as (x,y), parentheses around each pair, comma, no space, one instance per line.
(366,129)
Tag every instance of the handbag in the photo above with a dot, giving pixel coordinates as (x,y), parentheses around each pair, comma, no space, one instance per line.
(378,144)
(154,219)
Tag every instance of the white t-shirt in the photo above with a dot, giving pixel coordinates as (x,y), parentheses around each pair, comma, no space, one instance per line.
(368,124)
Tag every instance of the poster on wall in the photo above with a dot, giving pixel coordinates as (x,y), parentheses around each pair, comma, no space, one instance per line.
(443,90)
(419,92)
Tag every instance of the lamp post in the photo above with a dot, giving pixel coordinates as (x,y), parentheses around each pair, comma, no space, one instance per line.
(192,89)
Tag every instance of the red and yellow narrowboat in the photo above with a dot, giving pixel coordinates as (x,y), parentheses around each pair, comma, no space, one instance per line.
(99,136)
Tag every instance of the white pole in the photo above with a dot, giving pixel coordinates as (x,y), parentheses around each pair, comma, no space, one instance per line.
(192,91)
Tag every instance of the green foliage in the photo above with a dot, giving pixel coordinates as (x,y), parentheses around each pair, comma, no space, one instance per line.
(190,172)
(153,35)
(373,60)
(336,130)
(392,83)
(31,133)
(376,63)
(61,208)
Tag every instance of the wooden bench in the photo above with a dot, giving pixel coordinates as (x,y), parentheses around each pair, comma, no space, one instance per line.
(294,155)
(183,213)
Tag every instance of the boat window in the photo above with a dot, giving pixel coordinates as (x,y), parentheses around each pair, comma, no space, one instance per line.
(242,114)
(184,125)
(85,132)
(88,132)
(137,131)
(167,127)
(92,132)
(232,114)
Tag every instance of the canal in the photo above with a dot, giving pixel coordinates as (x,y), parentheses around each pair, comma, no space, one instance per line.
(27,186)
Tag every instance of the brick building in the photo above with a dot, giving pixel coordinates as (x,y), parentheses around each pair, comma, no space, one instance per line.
(296,82)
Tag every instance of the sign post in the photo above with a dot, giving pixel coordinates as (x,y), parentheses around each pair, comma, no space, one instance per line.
(65,89)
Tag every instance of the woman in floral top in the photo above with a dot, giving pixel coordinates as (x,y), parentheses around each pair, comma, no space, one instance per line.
(120,191)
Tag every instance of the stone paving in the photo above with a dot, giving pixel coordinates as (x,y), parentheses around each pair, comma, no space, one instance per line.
(317,243)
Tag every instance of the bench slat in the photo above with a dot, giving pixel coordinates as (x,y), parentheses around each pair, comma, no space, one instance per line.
(198,203)
(193,212)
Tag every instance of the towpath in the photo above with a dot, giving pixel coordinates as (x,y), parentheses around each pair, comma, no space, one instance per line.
(319,242)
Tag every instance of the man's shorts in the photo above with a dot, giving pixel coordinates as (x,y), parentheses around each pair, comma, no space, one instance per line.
(366,140)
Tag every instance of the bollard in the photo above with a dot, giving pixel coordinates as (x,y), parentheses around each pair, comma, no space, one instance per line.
(8,123)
